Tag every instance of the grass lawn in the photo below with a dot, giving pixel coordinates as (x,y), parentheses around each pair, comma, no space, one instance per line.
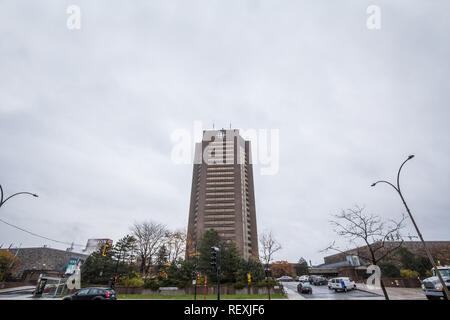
(199,296)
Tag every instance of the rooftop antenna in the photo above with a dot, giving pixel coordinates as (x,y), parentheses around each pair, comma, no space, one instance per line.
(230,125)
(213,125)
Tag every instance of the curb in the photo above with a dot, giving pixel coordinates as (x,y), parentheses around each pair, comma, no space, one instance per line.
(365,290)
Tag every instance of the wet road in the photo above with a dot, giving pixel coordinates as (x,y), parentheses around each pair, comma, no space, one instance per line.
(323,293)
(17,294)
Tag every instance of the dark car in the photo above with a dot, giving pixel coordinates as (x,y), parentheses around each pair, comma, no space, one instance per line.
(93,294)
(319,281)
(304,287)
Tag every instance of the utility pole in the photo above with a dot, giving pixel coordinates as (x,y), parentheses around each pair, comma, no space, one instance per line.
(430,257)
(216,262)
(267,271)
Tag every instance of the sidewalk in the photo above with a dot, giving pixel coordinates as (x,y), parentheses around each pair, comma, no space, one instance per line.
(8,290)
(292,295)
(395,293)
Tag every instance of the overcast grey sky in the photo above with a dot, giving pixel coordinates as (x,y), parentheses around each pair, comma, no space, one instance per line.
(86,115)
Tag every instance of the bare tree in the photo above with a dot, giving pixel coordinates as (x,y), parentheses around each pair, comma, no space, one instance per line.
(268,246)
(380,237)
(149,238)
(176,244)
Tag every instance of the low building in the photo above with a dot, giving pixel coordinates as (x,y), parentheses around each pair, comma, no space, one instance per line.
(351,267)
(440,250)
(351,264)
(53,262)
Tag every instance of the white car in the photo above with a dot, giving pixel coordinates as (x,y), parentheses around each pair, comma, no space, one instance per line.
(303,278)
(285,278)
(341,284)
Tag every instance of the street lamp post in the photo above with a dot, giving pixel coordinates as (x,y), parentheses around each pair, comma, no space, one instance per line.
(3,200)
(267,271)
(216,261)
(397,188)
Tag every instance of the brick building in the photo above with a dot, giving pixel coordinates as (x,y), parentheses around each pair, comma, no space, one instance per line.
(222,196)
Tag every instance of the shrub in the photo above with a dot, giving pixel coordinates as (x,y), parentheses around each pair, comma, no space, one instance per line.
(265,283)
(151,284)
(239,285)
(389,270)
(133,282)
(406,273)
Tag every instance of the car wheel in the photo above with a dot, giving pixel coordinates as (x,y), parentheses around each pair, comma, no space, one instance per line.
(335,290)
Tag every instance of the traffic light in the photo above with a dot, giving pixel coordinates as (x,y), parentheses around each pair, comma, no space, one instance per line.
(198,276)
(249,277)
(213,257)
(105,250)
(193,275)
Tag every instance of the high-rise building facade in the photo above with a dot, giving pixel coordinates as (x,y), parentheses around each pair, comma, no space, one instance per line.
(222,196)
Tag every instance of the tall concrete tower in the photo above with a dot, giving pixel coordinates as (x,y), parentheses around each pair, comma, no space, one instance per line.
(222,196)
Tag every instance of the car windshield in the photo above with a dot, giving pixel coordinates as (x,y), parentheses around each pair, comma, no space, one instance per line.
(444,272)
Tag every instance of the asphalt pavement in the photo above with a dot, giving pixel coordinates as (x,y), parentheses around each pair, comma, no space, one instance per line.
(323,293)
(19,293)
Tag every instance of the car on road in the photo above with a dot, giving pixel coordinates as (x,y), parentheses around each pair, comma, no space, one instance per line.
(304,287)
(432,287)
(93,293)
(303,278)
(330,281)
(342,284)
(320,280)
(285,279)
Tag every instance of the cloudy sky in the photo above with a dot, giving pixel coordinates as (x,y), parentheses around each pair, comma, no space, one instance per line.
(86,116)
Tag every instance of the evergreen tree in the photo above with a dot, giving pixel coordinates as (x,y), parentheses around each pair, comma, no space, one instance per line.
(162,262)
(252,266)
(230,262)
(210,239)
(302,267)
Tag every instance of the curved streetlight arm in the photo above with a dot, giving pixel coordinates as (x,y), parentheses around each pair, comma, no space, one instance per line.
(387,182)
(13,195)
(400,169)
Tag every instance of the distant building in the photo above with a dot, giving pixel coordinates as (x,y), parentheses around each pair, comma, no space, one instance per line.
(222,196)
(34,261)
(94,245)
(350,263)
(440,250)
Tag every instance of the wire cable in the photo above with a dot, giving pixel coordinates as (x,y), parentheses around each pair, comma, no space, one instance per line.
(39,236)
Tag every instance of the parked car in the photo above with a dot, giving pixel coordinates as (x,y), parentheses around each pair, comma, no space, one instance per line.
(303,278)
(93,293)
(304,287)
(432,286)
(342,284)
(320,280)
(285,279)
(330,281)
